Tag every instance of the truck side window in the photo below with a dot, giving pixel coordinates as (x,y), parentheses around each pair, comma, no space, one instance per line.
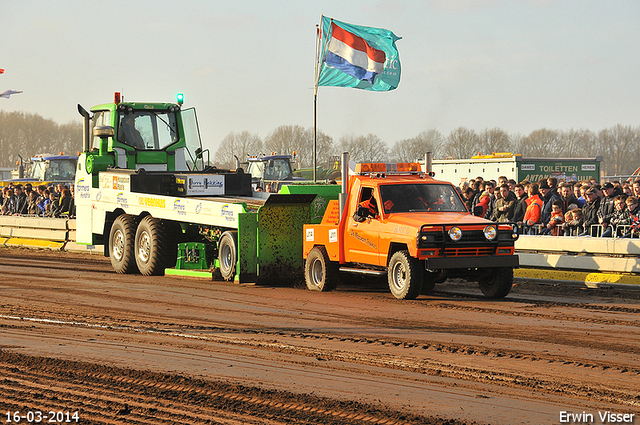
(367,205)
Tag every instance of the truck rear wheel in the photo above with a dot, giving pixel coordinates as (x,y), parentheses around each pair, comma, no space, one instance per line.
(320,274)
(228,254)
(121,244)
(150,247)
(405,276)
(498,284)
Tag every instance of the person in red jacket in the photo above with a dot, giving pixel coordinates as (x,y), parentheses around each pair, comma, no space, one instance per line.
(484,201)
(534,209)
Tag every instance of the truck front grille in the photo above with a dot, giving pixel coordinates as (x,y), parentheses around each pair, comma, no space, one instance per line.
(468,251)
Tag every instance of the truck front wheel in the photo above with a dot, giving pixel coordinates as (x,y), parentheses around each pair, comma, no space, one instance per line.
(498,283)
(150,249)
(121,244)
(405,276)
(320,274)
(228,255)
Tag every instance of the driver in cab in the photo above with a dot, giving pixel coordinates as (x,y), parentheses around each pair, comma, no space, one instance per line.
(132,136)
(366,209)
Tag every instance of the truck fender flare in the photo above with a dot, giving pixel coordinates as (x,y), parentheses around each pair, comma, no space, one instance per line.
(395,247)
(109,218)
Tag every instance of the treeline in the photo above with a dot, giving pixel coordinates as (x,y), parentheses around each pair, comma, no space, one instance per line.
(30,134)
(619,146)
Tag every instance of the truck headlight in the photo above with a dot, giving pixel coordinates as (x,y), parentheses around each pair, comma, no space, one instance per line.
(455,233)
(490,232)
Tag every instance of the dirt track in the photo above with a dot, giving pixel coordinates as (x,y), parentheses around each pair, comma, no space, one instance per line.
(74,336)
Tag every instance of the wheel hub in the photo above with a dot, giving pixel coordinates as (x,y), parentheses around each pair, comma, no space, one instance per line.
(225,257)
(316,272)
(399,276)
(118,245)
(144,247)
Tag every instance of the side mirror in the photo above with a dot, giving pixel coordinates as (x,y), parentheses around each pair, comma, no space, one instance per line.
(477,211)
(103,131)
(363,211)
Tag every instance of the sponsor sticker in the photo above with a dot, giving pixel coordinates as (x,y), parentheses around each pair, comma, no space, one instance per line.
(180,207)
(122,200)
(227,213)
(148,201)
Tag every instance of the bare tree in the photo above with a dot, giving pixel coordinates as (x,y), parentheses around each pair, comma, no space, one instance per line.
(288,138)
(369,148)
(620,145)
(578,144)
(542,143)
(326,151)
(237,144)
(30,134)
(462,143)
(409,150)
(494,140)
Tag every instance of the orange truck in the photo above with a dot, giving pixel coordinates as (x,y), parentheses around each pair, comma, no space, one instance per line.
(398,221)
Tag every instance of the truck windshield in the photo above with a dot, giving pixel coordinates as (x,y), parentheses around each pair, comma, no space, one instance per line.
(399,198)
(148,130)
(63,169)
(272,169)
(59,169)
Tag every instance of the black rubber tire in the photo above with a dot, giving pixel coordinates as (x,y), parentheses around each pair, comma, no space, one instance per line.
(405,276)
(150,248)
(499,284)
(121,244)
(228,255)
(320,273)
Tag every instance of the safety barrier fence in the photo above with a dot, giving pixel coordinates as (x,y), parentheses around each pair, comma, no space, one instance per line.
(589,254)
(40,232)
(584,253)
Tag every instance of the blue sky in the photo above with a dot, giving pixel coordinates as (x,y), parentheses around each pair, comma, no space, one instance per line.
(248,65)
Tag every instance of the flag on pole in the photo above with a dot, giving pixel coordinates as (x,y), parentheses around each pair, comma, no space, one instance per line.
(360,57)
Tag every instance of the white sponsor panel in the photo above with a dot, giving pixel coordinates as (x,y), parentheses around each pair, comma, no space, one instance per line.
(202,185)
(310,235)
(115,181)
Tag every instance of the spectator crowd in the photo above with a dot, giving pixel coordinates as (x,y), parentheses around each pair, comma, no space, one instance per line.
(558,208)
(39,201)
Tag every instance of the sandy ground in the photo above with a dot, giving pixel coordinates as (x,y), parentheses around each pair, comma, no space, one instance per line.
(76,337)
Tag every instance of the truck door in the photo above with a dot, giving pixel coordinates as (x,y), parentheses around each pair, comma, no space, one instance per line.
(362,237)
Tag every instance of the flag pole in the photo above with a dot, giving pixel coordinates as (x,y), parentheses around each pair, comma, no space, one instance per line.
(315,100)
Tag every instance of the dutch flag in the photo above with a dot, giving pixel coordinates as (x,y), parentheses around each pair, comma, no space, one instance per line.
(352,55)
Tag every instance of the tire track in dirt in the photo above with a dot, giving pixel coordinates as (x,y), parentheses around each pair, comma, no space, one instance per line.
(141,397)
(578,348)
